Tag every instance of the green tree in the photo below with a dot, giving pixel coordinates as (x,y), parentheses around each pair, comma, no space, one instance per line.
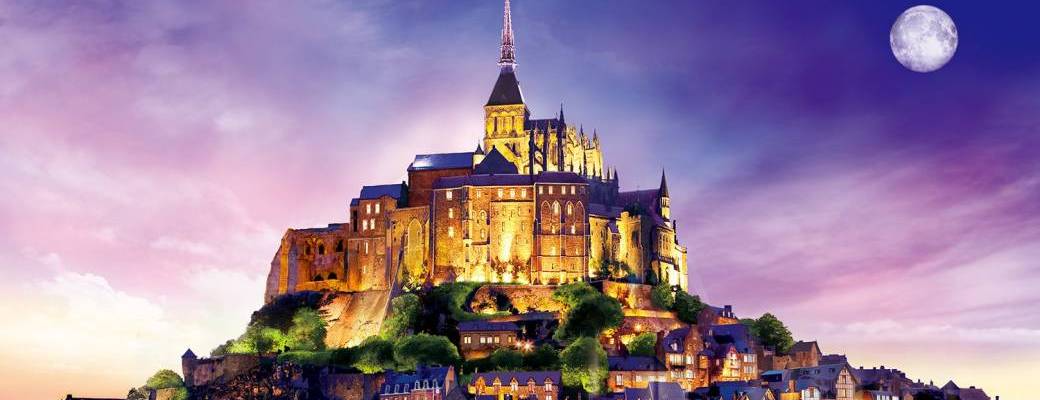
(374,355)
(167,379)
(591,316)
(687,307)
(543,358)
(643,345)
(404,315)
(572,293)
(307,332)
(584,364)
(772,332)
(505,359)
(424,349)
(663,297)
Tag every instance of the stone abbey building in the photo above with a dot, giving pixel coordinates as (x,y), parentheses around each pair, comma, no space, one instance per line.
(533,204)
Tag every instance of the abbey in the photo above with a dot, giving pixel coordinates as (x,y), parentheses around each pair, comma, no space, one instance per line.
(532,204)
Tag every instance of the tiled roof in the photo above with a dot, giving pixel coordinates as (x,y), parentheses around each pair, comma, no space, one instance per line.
(394,190)
(804,347)
(634,363)
(506,90)
(485,326)
(522,377)
(424,162)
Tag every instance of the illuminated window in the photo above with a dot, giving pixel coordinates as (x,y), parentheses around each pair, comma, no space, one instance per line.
(523,193)
(497,339)
(364,225)
(556,208)
(377,208)
(619,380)
(540,189)
(570,209)
(366,247)
(552,251)
(572,229)
(548,387)
(467,340)
(447,195)
(550,190)
(500,192)
(451,213)
(572,189)
(512,193)
(451,231)
(368,208)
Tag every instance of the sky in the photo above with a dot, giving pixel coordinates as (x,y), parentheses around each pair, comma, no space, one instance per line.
(153,153)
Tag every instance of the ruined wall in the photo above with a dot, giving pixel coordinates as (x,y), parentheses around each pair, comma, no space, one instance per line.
(205,371)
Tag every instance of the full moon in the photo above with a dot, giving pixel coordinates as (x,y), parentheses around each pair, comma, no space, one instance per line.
(923,38)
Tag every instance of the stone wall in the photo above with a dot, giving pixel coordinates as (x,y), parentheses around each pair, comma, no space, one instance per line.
(351,386)
(525,298)
(352,317)
(205,371)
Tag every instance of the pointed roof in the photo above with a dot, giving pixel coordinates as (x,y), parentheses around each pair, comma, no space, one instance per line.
(495,163)
(478,150)
(507,56)
(562,121)
(664,186)
(189,354)
(506,90)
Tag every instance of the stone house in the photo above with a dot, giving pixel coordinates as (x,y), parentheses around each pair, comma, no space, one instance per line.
(516,385)
(478,339)
(426,383)
(634,372)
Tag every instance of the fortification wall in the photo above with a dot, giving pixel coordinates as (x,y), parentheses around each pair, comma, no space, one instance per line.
(352,317)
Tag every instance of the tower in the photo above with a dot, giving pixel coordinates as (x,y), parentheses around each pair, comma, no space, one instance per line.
(505,113)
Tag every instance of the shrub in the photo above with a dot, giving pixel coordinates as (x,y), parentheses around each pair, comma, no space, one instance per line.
(592,315)
(687,307)
(167,379)
(424,349)
(543,358)
(663,297)
(404,314)
(306,358)
(307,332)
(507,359)
(772,332)
(374,355)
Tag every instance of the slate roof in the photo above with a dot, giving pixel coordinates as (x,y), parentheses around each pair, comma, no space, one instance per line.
(735,334)
(495,163)
(676,336)
(634,363)
(507,179)
(425,162)
(506,90)
(395,190)
(398,382)
(485,326)
(727,390)
(522,377)
(823,376)
(656,391)
(973,393)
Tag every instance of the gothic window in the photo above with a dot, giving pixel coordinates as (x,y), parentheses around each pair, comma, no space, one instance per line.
(317,278)
(570,208)
(556,208)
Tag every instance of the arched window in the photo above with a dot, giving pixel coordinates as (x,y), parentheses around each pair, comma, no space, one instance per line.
(570,208)
(332,276)
(556,208)
(321,249)
(317,278)
(339,246)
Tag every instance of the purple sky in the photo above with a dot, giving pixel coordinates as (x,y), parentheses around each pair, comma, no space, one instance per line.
(152,154)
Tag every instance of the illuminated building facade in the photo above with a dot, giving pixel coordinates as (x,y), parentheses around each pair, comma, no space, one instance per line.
(532,204)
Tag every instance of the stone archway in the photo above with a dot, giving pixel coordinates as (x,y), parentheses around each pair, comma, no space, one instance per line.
(413,265)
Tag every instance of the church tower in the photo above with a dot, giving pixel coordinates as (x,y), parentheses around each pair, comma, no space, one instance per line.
(505,113)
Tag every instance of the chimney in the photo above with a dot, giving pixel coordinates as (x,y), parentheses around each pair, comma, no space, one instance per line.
(727,310)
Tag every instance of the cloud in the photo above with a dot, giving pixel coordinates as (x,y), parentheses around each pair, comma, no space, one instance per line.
(186,246)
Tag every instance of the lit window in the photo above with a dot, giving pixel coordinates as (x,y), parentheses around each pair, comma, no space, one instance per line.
(512,193)
(639,378)
(570,209)
(523,193)
(451,213)
(618,380)
(368,208)
(572,229)
(467,340)
(572,189)
(550,190)
(556,208)
(552,251)
(497,339)
(364,225)
(372,223)
(377,208)
(447,195)
(548,385)
(366,247)
(540,189)
(483,340)
(500,192)
(451,231)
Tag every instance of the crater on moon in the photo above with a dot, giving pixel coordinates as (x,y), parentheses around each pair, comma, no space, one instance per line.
(923,38)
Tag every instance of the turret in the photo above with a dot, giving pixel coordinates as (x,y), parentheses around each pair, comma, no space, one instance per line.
(478,155)
(188,362)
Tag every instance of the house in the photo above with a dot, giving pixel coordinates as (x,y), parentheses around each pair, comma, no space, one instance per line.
(656,391)
(516,385)
(426,383)
(951,390)
(733,353)
(804,354)
(479,339)
(634,372)
(889,380)
(878,395)
(835,381)
(786,387)
(684,356)
(712,315)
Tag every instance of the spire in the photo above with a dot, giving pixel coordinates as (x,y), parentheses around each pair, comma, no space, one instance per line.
(507,58)
(478,150)
(561,113)
(663,191)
